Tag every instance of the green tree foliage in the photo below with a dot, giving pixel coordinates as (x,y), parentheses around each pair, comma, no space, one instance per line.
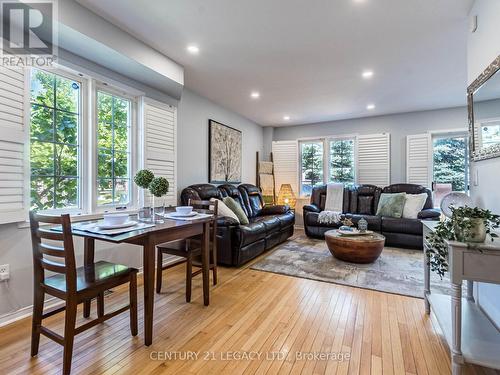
(312,166)
(112,142)
(54,141)
(54,148)
(450,162)
(342,161)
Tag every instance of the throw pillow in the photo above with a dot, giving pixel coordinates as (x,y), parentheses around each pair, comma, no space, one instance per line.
(224,210)
(413,205)
(236,208)
(391,205)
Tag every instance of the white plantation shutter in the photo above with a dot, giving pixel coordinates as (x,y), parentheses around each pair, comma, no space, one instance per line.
(160,141)
(13,159)
(418,159)
(286,164)
(373,161)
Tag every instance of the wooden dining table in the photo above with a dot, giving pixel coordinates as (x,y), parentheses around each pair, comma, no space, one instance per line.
(148,239)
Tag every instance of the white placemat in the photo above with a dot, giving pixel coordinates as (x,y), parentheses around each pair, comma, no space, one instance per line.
(94,228)
(195,217)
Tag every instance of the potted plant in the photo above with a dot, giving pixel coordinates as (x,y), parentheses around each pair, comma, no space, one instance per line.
(467,224)
(158,188)
(142,179)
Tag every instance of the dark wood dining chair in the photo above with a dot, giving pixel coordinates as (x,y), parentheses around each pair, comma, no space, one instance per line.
(190,250)
(71,284)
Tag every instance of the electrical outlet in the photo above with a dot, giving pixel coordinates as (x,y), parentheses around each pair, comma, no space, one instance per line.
(4,272)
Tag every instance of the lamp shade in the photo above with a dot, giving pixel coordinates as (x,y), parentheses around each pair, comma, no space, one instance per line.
(286,195)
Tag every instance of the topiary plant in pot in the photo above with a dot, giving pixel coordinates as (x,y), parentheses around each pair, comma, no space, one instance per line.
(158,187)
(467,224)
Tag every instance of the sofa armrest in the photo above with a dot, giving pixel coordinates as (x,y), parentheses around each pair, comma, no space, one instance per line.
(310,208)
(274,209)
(429,214)
(226,221)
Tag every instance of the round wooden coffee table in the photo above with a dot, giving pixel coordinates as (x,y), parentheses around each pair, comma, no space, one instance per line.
(363,248)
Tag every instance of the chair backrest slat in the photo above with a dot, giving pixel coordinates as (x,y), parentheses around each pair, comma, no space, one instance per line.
(54,251)
(53,266)
(50,235)
(205,205)
(66,252)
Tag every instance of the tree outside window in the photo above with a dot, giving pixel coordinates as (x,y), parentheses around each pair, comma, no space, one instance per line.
(54,148)
(450,162)
(113,155)
(311,154)
(342,163)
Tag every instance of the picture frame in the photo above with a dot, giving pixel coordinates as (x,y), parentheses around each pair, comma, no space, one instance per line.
(224,153)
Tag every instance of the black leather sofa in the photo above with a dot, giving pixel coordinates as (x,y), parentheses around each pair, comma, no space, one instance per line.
(362,201)
(237,244)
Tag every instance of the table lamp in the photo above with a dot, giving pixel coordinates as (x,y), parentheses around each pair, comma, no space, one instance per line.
(286,195)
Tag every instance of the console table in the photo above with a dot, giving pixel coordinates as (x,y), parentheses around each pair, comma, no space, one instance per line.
(471,336)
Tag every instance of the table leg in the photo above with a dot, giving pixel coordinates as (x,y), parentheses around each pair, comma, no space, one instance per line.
(205,260)
(88,259)
(148,275)
(456,321)
(427,283)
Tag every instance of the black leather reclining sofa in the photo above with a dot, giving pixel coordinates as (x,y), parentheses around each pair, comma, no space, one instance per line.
(362,201)
(237,244)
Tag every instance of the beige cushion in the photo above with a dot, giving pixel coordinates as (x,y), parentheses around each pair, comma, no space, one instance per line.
(224,210)
(414,203)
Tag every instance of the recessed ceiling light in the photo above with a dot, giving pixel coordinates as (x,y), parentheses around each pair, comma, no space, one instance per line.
(367,74)
(370,107)
(193,49)
(286,118)
(255,95)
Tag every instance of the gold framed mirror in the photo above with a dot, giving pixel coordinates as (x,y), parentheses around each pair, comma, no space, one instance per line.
(483,99)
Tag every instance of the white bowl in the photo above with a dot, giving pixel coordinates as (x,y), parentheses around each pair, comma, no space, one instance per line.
(115,219)
(184,210)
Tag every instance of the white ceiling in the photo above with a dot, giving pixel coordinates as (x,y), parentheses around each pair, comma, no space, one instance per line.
(305,57)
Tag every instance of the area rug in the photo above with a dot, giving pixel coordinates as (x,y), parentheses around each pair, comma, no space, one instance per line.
(398,271)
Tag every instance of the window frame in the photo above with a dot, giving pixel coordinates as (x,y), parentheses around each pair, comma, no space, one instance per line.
(352,138)
(452,134)
(326,156)
(307,141)
(90,84)
(134,151)
(80,209)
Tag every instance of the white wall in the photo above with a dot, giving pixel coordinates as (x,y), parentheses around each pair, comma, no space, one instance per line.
(193,114)
(398,125)
(483,47)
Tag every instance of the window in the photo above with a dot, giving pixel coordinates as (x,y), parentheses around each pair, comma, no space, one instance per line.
(311,165)
(450,162)
(113,149)
(342,163)
(54,141)
(64,139)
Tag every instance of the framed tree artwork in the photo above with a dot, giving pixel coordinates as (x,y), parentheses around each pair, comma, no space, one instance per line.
(224,145)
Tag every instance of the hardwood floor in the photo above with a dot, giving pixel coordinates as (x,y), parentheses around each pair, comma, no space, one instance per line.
(274,323)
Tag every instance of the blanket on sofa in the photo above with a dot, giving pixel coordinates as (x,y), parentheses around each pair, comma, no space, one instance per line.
(333,205)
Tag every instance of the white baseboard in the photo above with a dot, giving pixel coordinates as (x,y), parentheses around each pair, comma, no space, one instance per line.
(51,303)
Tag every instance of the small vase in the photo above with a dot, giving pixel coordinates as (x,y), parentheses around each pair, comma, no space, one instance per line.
(157,212)
(477,232)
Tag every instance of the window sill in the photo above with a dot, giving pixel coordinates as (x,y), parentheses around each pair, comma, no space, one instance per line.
(80,217)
